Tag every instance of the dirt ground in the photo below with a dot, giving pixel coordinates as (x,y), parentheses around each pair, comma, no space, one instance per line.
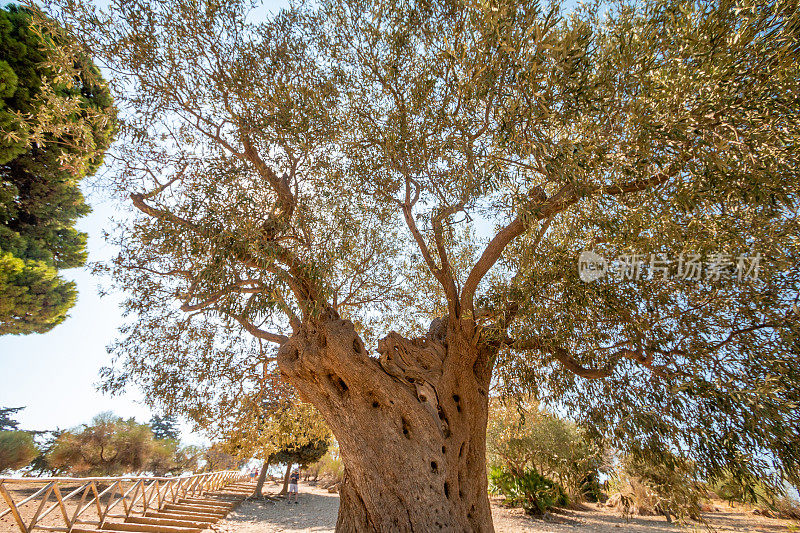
(317,509)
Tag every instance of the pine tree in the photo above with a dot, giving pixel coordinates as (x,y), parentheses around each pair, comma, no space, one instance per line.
(165,427)
(57,119)
(7,422)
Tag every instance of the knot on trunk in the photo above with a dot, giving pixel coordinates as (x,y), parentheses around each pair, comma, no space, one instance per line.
(412,360)
(417,362)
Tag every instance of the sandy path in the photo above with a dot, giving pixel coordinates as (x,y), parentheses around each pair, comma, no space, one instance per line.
(317,510)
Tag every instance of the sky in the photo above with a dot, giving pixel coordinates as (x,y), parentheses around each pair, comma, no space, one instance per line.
(54,375)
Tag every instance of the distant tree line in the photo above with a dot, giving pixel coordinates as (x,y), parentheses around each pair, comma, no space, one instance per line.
(109,445)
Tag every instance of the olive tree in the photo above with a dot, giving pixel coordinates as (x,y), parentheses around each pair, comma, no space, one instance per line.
(396,195)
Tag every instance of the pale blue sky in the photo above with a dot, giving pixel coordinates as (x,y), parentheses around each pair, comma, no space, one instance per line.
(54,374)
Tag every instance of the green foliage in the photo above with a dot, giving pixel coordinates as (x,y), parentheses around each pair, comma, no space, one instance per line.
(522,437)
(771,501)
(217,458)
(164,427)
(17,449)
(528,489)
(41,465)
(34,299)
(329,467)
(111,445)
(57,119)
(7,422)
(303,455)
(168,457)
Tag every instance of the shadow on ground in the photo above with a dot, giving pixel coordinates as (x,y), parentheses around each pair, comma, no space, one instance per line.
(315,512)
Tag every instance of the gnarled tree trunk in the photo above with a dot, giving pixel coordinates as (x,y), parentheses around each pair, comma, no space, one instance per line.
(411,425)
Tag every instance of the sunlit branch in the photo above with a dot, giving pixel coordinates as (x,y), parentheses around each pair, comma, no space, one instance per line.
(303,290)
(448,281)
(260,333)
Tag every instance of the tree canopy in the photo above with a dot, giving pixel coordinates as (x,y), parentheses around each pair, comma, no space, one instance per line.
(111,445)
(335,178)
(17,449)
(57,119)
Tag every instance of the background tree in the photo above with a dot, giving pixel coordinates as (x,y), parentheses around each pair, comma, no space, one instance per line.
(303,455)
(169,457)
(57,119)
(165,427)
(217,458)
(337,177)
(521,437)
(280,433)
(45,442)
(108,446)
(669,488)
(7,421)
(17,449)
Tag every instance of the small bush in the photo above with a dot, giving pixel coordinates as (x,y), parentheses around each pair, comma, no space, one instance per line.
(785,507)
(659,485)
(530,490)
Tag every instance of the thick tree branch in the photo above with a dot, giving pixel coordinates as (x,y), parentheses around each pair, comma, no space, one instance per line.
(447,278)
(563,356)
(281,186)
(546,209)
(260,333)
(303,289)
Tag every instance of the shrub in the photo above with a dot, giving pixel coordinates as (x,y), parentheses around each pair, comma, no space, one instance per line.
(662,484)
(770,502)
(530,490)
(17,449)
(523,437)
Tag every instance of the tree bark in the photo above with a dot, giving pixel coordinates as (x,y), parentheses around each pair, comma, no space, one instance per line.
(285,488)
(411,425)
(259,490)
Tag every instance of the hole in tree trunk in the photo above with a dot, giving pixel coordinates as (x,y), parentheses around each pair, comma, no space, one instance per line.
(434,467)
(457,399)
(356,346)
(461,451)
(443,450)
(446,490)
(375,405)
(405,427)
(338,383)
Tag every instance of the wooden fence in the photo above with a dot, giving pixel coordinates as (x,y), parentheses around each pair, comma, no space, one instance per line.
(96,499)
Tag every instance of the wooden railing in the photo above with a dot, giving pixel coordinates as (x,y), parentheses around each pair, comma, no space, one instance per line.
(96,499)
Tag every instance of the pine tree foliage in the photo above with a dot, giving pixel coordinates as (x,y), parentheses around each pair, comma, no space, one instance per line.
(56,121)
(164,427)
(7,421)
